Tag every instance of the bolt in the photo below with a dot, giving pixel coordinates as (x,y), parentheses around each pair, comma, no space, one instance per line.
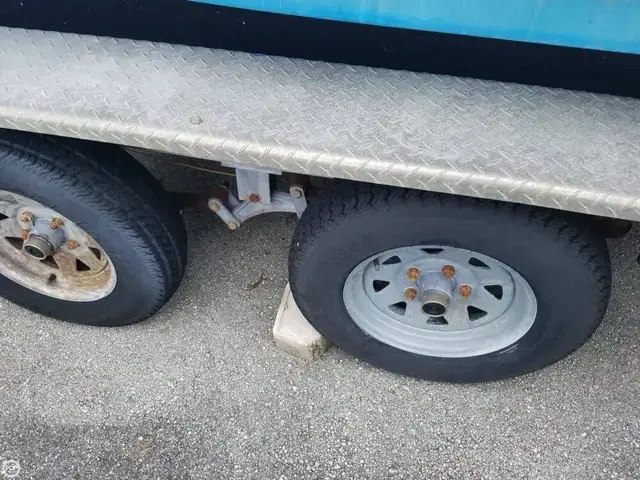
(448,271)
(232,225)
(25,234)
(296,192)
(56,223)
(254,198)
(72,244)
(26,217)
(413,273)
(465,291)
(214,206)
(410,293)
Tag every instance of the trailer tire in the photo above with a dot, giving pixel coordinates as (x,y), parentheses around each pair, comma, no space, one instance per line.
(106,199)
(556,263)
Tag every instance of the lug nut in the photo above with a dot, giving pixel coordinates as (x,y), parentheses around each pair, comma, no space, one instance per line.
(448,271)
(25,234)
(26,217)
(413,273)
(410,293)
(56,223)
(465,291)
(72,244)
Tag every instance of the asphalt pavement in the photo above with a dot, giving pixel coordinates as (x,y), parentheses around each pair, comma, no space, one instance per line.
(200,392)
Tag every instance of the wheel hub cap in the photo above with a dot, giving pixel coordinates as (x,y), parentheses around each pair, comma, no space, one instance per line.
(434,303)
(38,247)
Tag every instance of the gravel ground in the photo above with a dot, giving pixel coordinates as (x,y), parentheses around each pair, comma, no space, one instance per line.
(199,391)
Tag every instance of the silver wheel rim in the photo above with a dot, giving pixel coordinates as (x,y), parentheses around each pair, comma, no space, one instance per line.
(499,310)
(47,253)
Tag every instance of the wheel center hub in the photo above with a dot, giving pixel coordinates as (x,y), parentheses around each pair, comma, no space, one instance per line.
(38,247)
(434,303)
(435,293)
(44,237)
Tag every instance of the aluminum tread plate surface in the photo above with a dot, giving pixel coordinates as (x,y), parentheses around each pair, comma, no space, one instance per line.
(557,148)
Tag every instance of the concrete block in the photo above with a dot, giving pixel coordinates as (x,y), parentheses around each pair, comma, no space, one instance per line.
(294,334)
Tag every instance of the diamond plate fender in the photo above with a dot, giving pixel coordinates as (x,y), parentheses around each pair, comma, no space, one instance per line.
(556,148)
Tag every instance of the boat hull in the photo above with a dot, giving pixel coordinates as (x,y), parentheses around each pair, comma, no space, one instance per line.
(593,24)
(208,25)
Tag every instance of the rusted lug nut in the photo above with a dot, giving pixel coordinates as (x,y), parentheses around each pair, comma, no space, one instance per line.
(26,217)
(413,273)
(72,244)
(465,291)
(232,226)
(410,293)
(448,271)
(254,198)
(56,223)
(25,234)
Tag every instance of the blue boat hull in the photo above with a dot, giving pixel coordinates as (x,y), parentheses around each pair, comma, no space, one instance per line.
(593,24)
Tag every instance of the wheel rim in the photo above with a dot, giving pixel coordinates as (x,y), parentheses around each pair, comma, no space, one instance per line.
(47,253)
(413,298)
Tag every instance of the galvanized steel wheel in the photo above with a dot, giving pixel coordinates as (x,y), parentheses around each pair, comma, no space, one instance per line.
(439,301)
(87,235)
(447,288)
